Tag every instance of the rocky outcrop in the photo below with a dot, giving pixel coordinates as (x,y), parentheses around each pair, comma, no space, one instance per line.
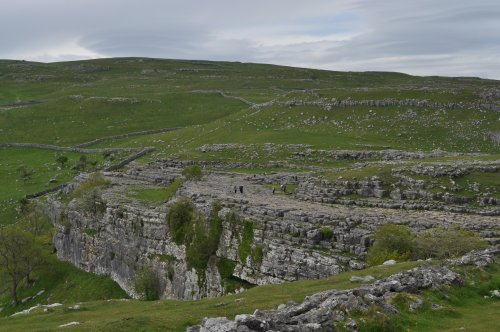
(327,310)
(287,239)
(404,188)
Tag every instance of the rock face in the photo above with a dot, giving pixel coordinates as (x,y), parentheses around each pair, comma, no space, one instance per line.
(287,238)
(403,191)
(322,310)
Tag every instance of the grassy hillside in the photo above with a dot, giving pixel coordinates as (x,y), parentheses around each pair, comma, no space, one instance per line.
(470,308)
(266,115)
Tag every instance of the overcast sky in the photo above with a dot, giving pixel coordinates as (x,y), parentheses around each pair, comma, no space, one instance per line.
(421,37)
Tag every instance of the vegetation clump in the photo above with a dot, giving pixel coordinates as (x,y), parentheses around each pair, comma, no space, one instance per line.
(245,247)
(192,173)
(398,243)
(147,284)
(447,243)
(391,242)
(200,237)
(156,195)
(20,255)
(179,219)
(327,232)
(93,203)
(96,180)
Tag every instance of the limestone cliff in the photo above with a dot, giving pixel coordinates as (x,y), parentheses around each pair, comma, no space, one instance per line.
(265,237)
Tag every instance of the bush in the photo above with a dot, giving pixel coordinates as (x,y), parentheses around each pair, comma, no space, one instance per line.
(189,228)
(447,243)
(93,203)
(180,217)
(245,247)
(192,173)
(225,267)
(96,180)
(327,233)
(396,242)
(391,242)
(147,284)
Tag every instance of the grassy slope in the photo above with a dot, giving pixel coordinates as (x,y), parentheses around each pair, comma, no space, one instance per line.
(469,307)
(165,93)
(63,283)
(77,106)
(44,166)
(173,315)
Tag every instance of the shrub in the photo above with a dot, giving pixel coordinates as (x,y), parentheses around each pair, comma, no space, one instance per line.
(190,228)
(225,267)
(245,246)
(25,173)
(327,233)
(391,242)
(93,203)
(180,218)
(259,254)
(202,244)
(147,284)
(62,160)
(396,242)
(446,243)
(192,173)
(96,180)
(90,231)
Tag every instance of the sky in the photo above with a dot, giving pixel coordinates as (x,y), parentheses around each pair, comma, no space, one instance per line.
(419,37)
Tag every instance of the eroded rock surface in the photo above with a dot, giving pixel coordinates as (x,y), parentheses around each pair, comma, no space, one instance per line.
(292,238)
(327,310)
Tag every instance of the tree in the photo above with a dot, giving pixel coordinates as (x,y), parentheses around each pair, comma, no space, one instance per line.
(34,219)
(19,256)
(82,163)
(179,218)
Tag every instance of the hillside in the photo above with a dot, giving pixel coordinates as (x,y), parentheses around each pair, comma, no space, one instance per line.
(355,150)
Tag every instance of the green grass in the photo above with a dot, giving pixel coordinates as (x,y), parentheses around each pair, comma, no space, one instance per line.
(173,315)
(155,195)
(44,166)
(469,308)
(63,283)
(488,182)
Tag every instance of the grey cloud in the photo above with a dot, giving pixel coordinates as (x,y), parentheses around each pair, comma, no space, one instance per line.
(446,37)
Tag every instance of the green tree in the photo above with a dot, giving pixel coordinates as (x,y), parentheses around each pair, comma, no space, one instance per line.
(82,163)
(34,219)
(19,256)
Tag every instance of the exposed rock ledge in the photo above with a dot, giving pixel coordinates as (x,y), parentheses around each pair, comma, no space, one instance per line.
(317,312)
